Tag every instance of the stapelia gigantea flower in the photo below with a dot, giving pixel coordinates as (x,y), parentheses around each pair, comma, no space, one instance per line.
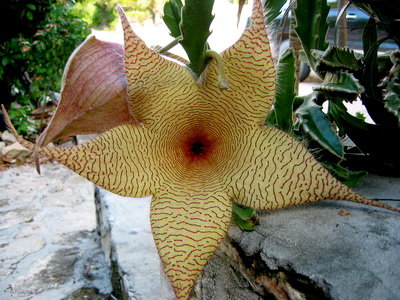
(195,148)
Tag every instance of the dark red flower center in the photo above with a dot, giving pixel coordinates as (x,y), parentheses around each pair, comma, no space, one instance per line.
(198,147)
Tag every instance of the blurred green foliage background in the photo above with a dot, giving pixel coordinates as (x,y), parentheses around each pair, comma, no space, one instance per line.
(36,40)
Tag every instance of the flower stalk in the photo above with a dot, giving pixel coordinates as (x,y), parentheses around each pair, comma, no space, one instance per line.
(223,83)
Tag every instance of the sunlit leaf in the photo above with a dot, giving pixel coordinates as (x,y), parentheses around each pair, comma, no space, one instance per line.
(392,98)
(243,212)
(337,59)
(273,9)
(240,8)
(348,177)
(317,124)
(172,16)
(312,26)
(340,85)
(195,27)
(370,78)
(286,80)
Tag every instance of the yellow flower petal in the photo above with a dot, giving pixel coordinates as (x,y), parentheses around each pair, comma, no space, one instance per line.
(187,228)
(94,85)
(117,160)
(274,170)
(156,86)
(250,72)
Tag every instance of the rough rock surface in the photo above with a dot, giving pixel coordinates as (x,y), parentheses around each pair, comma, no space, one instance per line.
(2,145)
(327,250)
(7,137)
(15,151)
(49,248)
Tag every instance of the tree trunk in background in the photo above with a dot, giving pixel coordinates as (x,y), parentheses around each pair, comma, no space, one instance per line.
(342,25)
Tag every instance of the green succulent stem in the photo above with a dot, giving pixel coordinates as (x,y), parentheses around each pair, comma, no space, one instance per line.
(223,83)
(172,44)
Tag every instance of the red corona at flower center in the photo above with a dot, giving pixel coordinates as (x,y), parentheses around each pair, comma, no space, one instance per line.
(198,147)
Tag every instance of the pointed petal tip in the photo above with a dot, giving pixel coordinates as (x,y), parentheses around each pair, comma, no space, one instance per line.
(187,229)
(122,16)
(37,162)
(130,37)
(257,16)
(120,10)
(8,122)
(357,198)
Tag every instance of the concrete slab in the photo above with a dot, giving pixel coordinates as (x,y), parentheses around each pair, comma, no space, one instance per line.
(49,247)
(379,187)
(129,247)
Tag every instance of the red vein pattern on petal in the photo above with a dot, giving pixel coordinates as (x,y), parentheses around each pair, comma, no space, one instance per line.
(187,229)
(278,171)
(156,85)
(250,70)
(117,160)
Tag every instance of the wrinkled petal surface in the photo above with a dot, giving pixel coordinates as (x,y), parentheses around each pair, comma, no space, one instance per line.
(157,85)
(187,228)
(117,160)
(250,72)
(277,171)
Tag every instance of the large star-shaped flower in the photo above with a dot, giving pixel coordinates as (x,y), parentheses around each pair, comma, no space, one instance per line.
(195,147)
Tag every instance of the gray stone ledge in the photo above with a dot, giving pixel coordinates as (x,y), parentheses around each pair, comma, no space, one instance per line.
(295,253)
(127,241)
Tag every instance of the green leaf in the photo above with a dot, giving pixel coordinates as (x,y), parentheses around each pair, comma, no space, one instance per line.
(373,139)
(335,58)
(348,177)
(370,78)
(273,9)
(340,85)
(370,36)
(317,124)
(243,224)
(172,16)
(360,132)
(29,15)
(286,80)
(370,47)
(392,98)
(242,217)
(241,3)
(384,64)
(311,27)
(31,6)
(5,61)
(339,113)
(243,212)
(196,20)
